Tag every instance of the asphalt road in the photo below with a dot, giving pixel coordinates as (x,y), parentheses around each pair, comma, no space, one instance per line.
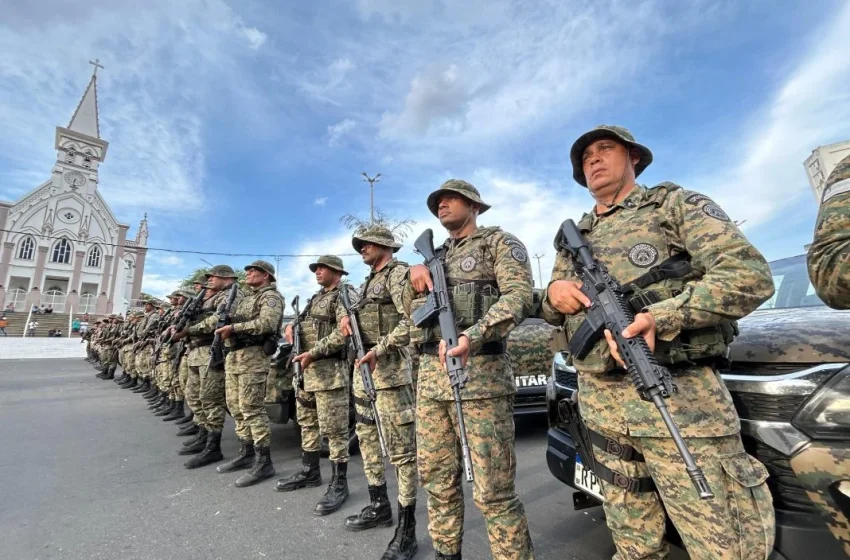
(86,472)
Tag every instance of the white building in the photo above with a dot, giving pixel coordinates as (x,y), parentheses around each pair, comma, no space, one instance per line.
(61,244)
(821,163)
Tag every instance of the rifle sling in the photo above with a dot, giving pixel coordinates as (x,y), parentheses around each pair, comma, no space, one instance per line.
(619,450)
(635,485)
(494,348)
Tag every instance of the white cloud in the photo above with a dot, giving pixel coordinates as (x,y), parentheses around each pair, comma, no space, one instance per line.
(320,201)
(338,130)
(811,108)
(327,83)
(160,285)
(165,259)
(255,37)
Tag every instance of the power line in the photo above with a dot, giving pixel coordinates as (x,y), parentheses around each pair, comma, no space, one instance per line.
(184,251)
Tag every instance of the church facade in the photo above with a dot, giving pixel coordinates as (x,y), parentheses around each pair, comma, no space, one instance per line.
(60,244)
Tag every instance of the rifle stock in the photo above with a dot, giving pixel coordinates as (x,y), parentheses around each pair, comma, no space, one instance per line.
(223,312)
(438,304)
(297,368)
(609,310)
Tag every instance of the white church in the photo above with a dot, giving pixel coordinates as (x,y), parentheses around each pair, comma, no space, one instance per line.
(61,244)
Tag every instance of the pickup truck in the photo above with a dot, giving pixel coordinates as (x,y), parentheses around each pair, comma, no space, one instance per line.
(790,382)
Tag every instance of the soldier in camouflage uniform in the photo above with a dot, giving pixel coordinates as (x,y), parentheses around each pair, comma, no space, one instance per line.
(165,365)
(322,401)
(176,358)
(688,274)
(158,396)
(251,338)
(829,253)
(385,332)
(108,372)
(212,394)
(190,393)
(142,349)
(109,353)
(488,273)
(125,346)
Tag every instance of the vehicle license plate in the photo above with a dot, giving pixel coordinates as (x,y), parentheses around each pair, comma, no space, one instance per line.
(586,480)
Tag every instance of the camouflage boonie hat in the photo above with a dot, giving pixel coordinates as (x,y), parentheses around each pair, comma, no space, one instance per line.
(149,300)
(200,278)
(264,266)
(185,293)
(460,187)
(330,261)
(222,271)
(617,133)
(375,234)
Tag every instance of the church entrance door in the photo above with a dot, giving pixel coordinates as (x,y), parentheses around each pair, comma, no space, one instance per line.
(56,298)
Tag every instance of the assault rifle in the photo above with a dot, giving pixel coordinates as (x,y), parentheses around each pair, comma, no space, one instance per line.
(179,320)
(297,368)
(438,305)
(365,370)
(609,310)
(223,312)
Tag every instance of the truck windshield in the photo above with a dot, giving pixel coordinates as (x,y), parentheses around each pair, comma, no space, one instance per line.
(793,288)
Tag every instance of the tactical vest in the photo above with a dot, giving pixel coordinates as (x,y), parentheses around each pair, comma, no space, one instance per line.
(656,269)
(208,307)
(267,340)
(471,279)
(376,312)
(320,316)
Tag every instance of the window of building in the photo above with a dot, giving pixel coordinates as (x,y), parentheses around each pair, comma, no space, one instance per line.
(87,161)
(27,249)
(62,252)
(93,258)
(69,157)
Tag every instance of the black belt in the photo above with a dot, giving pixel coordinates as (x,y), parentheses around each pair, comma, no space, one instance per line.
(488,349)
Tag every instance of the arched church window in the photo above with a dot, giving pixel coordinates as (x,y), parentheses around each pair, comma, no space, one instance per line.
(27,249)
(61,252)
(93,258)
(69,157)
(86,161)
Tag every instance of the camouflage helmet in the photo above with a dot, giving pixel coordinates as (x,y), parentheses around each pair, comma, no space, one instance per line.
(460,187)
(617,133)
(148,300)
(378,235)
(222,271)
(200,278)
(185,293)
(264,266)
(330,261)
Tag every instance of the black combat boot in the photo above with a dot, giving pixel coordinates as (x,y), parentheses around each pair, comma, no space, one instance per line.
(126,382)
(134,382)
(143,387)
(455,556)
(404,546)
(337,492)
(155,400)
(242,461)
(196,444)
(309,476)
(166,409)
(176,412)
(111,373)
(155,404)
(186,419)
(260,470)
(379,512)
(104,371)
(188,430)
(124,377)
(210,454)
(152,392)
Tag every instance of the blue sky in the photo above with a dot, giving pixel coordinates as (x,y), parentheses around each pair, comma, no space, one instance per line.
(244,127)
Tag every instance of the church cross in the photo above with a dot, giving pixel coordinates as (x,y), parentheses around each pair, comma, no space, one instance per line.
(96,63)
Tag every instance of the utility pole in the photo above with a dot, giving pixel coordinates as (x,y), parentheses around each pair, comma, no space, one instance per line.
(277,269)
(539,269)
(371,181)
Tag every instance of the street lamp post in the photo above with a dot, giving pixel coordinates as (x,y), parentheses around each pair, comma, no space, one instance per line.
(371,181)
(539,269)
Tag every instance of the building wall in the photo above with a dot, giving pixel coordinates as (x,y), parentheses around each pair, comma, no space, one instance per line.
(821,163)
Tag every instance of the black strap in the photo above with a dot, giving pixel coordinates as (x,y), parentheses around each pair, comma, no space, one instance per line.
(619,450)
(488,349)
(305,403)
(362,402)
(363,419)
(635,485)
(677,266)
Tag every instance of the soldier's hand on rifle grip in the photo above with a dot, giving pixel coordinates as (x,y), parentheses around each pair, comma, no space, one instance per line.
(420,278)
(345,326)
(287,334)
(643,325)
(460,351)
(305,359)
(369,358)
(179,335)
(567,297)
(225,331)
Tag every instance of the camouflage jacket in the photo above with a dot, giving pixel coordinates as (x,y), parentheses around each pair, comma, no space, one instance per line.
(730,280)
(829,253)
(206,322)
(392,369)
(149,328)
(257,315)
(331,366)
(488,254)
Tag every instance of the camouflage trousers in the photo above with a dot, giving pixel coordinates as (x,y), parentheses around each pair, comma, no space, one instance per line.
(213,401)
(178,387)
(193,391)
(737,524)
(246,396)
(144,362)
(819,469)
(126,359)
(324,413)
(109,355)
(397,413)
(490,430)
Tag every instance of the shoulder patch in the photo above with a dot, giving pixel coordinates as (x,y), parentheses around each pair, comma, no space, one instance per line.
(519,254)
(271,302)
(716,212)
(696,198)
